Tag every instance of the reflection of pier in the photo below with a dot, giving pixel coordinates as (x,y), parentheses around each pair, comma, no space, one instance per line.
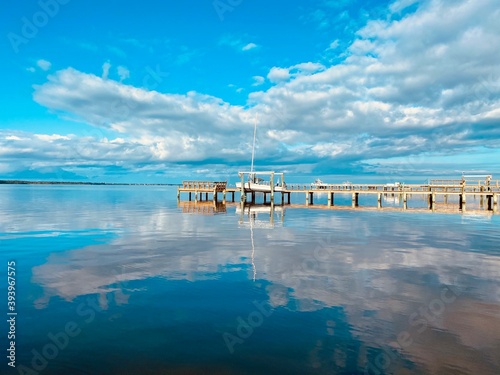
(462,190)
(203,207)
(268,215)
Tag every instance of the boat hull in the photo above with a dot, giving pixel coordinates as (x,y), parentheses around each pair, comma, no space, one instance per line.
(254,187)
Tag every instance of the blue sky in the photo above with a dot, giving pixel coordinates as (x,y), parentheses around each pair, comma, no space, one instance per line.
(160,91)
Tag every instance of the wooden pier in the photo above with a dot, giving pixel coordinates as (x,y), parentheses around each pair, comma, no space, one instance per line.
(200,188)
(487,190)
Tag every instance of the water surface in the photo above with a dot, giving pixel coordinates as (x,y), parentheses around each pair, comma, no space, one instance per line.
(147,286)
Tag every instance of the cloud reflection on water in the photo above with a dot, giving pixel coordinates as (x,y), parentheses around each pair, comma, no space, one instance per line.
(379,268)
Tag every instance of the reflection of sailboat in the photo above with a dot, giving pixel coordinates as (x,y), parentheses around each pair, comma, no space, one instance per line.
(269,212)
(255,209)
(393,198)
(253,251)
(253,212)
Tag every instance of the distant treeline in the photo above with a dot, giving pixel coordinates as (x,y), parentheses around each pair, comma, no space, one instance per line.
(75,183)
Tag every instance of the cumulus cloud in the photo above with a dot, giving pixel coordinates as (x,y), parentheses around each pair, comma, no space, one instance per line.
(334,45)
(105,69)
(400,5)
(308,67)
(237,42)
(258,80)
(276,74)
(423,84)
(180,128)
(123,73)
(44,64)
(51,138)
(422,76)
(249,46)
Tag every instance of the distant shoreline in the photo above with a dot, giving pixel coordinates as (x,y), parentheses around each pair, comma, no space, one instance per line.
(24,182)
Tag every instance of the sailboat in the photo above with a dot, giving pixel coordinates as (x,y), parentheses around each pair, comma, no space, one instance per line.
(255,183)
(260,185)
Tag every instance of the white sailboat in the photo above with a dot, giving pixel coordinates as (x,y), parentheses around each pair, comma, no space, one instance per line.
(260,185)
(255,183)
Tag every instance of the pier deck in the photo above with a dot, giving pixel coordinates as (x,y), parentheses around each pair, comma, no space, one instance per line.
(488,191)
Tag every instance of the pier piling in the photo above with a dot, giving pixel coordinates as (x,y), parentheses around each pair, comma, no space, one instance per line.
(462,201)
(271,185)
(331,199)
(355,199)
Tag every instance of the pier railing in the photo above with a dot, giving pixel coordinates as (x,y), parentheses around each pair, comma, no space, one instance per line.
(205,185)
(465,182)
(347,187)
(445,182)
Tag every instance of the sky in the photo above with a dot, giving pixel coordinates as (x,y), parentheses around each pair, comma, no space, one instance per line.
(161,91)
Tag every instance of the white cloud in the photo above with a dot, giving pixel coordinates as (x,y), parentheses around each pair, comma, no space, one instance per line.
(123,73)
(44,64)
(172,127)
(277,74)
(309,67)
(50,138)
(418,78)
(105,69)
(249,46)
(400,5)
(31,69)
(258,80)
(13,138)
(422,84)
(334,45)
(237,43)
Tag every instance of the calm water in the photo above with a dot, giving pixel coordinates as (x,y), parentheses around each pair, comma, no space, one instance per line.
(121,280)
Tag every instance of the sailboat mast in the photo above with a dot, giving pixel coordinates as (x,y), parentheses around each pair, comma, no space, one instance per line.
(253,147)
